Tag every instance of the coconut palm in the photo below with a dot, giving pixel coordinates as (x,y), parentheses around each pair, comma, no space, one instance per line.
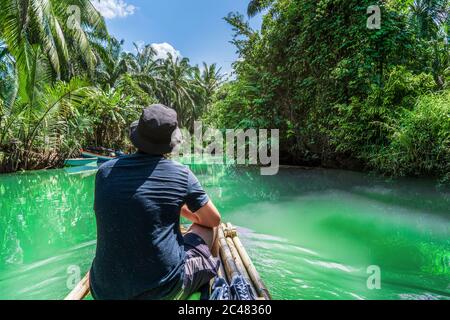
(144,58)
(146,68)
(176,88)
(207,81)
(114,64)
(210,78)
(46,113)
(41,42)
(53,30)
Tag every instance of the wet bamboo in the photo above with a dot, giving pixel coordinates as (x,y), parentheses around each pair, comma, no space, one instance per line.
(221,272)
(227,258)
(240,265)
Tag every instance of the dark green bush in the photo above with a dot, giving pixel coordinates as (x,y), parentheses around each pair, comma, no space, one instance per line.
(342,95)
(419,141)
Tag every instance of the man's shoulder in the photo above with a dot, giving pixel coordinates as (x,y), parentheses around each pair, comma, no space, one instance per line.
(175,165)
(105,168)
(122,161)
(108,164)
(165,164)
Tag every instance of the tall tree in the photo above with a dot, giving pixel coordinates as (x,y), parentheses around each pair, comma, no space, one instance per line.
(431,19)
(114,64)
(56,31)
(145,68)
(257,6)
(175,87)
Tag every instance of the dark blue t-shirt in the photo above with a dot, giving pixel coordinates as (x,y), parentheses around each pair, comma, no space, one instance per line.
(140,249)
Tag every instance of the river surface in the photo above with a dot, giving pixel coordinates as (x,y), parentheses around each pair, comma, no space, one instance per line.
(313,234)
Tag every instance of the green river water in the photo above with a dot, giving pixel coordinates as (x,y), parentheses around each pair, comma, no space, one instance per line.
(311,233)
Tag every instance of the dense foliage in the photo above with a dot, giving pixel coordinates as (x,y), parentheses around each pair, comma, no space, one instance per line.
(65,83)
(345,95)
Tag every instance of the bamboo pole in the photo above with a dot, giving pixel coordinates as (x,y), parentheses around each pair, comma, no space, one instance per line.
(240,264)
(230,231)
(235,261)
(81,290)
(221,272)
(227,258)
(253,273)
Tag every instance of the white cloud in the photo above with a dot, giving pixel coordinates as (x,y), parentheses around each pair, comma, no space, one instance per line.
(163,49)
(111,9)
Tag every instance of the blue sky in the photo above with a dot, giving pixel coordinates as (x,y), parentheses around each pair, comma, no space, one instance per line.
(195,28)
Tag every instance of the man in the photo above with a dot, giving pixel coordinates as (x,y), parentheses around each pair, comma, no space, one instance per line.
(141,253)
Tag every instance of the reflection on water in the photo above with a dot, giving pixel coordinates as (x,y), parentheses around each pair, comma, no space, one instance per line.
(45,218)
(312,233)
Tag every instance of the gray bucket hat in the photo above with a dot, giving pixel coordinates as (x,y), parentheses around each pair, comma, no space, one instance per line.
(157,130)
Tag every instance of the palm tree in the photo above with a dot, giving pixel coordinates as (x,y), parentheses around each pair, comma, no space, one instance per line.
(207,82)
(210,78)
(429,16)
(175,87)
(42,42)
(31,132)
(36,30)
(145,68)
(110,111)
(144,58)
(114,64)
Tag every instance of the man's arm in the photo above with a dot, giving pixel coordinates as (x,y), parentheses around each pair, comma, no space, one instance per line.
(207,216)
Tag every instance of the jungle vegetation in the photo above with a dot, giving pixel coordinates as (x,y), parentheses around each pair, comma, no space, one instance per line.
(342,95)
(66,83)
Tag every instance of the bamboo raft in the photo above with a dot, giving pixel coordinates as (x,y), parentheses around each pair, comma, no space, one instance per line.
(234,261)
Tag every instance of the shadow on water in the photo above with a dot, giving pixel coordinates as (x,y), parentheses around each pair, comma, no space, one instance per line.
(312,233)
